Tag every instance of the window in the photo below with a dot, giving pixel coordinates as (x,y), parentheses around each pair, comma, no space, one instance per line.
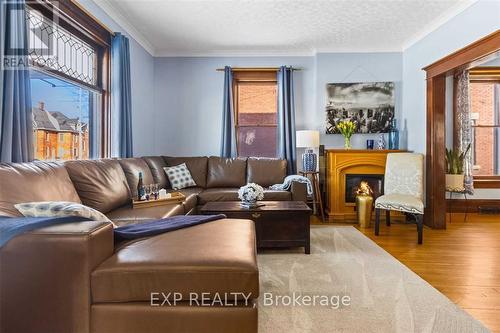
(69,59)
(485,109)
(66,110)
(256,108)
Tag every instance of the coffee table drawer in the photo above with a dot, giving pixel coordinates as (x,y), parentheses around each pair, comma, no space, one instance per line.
(278,229)
(277,223)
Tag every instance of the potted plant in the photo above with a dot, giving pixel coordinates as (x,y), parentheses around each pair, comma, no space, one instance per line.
(455,169)
(347,129)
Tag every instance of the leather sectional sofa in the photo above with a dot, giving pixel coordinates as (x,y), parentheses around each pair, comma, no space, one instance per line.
(74,278)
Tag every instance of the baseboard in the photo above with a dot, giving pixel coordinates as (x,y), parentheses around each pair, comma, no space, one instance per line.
(469,205)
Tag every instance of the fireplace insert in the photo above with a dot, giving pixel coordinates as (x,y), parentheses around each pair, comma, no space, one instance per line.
(352,182)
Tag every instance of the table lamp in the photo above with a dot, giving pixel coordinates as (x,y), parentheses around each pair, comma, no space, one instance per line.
(309,140)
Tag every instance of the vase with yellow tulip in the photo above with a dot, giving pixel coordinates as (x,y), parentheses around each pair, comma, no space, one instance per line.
(347,129)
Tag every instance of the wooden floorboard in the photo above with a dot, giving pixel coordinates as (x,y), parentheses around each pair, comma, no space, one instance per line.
(462,262)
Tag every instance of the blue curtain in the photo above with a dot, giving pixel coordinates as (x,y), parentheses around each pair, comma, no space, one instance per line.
(121,96)
(228,139)
(16,126)
(286,119)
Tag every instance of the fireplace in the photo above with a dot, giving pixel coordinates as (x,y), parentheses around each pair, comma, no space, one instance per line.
(352,181)
(345,169)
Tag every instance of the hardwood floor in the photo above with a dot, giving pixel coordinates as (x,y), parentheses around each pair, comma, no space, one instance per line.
(463,261)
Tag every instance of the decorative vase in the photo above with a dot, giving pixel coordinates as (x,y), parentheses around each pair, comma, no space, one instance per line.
(249,204)
(403,138)
(364,204)
(347,142)
(309,161)
(381,142)
(454,183)
(393,136)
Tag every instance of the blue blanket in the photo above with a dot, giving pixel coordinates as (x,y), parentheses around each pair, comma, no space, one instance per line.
(152,228)
(13,226)
(287,184)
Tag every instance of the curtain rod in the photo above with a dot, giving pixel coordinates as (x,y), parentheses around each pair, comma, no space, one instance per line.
(256,69)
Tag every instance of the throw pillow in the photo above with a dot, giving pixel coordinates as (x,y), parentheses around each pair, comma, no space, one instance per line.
(179,176)
(60,209)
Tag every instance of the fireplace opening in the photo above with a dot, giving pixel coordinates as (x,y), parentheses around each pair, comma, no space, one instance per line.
(352,182)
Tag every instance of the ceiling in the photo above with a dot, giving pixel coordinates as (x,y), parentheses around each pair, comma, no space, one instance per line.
(278,27)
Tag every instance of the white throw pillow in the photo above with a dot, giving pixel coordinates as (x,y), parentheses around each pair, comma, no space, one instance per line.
(179,176)
(60,209)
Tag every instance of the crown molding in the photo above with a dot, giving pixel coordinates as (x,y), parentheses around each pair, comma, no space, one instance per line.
(123,22)
(234,53)
(436,23)
(267,53)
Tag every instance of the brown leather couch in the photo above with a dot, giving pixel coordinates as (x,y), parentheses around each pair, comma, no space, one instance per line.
(74,278)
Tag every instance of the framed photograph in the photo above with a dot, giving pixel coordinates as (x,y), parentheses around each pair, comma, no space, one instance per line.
(369,105)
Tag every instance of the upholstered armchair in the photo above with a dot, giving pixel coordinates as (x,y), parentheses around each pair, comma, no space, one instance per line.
(403,189)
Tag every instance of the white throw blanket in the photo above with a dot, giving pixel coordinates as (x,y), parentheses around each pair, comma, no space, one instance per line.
(287,183)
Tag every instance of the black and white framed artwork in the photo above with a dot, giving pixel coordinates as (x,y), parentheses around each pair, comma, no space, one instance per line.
(369,105)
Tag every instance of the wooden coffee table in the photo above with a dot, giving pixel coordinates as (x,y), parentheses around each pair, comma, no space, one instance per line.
(277,224)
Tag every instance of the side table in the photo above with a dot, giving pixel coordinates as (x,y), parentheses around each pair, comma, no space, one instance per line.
(466,204)
(317,200)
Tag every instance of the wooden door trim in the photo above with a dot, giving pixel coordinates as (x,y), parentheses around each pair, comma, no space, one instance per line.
(435,163)
(472,52)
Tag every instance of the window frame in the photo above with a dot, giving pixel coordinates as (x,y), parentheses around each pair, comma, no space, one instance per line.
(480,75)
(83,25)
(250,76)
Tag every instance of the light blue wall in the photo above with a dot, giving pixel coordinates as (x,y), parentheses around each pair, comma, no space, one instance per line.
(354,67)
(142,73)
(477,21)
(188,99)
(188,94)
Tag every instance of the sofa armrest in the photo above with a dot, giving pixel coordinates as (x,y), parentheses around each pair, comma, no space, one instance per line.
(45,277)
(299,191)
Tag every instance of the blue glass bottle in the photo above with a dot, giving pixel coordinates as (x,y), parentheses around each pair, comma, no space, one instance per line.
(393,136)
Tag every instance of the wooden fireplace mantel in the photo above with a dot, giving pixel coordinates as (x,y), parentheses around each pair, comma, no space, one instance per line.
(341,162)
(363,151)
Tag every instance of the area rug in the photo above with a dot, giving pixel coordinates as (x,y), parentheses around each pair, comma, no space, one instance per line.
(304,293)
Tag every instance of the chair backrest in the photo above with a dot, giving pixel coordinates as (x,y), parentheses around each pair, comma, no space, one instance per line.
(404,174)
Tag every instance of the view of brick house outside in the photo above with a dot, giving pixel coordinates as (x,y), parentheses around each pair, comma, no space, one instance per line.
(486,139)
(61,114)
(257,119)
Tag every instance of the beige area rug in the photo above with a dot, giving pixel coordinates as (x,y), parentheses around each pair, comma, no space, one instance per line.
(385,296)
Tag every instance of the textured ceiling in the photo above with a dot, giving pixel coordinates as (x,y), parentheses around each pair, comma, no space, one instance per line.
(278,27)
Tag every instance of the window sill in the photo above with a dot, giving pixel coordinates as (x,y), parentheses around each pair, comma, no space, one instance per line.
(487,182)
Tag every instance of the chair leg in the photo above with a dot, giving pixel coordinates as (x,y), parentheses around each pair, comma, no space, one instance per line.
(420,227)
(377,220)
(388,218)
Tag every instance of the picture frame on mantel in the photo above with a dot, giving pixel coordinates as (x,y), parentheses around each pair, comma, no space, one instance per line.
(370,105)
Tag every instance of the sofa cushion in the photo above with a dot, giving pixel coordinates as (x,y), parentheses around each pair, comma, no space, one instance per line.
(214,257)
(218,194)
(197,167)
(127,215)
(266,171)
(231,194)
(36,181)
(131,167)
(179,176)
(101,184)
(271,195)
(226,172)
(60,209)
(156,165)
